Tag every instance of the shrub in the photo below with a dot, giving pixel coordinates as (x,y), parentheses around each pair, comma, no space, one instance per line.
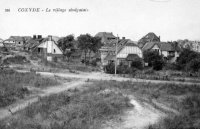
(110,68)
(137,64)
(16,60)
(158,64)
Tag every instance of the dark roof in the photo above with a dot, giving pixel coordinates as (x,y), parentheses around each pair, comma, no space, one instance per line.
(31,43)
(110,46)
(132,57)
(110,57)
(105,34)
(150,37)
(164,46)
(17,38)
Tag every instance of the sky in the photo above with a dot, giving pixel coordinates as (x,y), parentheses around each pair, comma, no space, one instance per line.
(169,19)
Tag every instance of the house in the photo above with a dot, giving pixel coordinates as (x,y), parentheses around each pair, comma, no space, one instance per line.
(16,42)
(48,49)
(170,51)
(105,36)
(150,37)
(124,49)
(32,43)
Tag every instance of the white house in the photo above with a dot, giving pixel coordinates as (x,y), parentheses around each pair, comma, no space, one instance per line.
(125,48)
(49,49)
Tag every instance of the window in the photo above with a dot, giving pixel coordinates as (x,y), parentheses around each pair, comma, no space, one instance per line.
(54,50)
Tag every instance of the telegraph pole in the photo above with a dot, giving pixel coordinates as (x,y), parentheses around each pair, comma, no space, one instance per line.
(116,56)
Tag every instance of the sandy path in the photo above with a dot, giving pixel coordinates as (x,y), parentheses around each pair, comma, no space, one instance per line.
(139,117)
(103,76)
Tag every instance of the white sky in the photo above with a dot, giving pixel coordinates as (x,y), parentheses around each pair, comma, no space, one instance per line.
(172,20)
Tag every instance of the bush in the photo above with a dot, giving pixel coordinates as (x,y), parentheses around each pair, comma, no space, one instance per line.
(110,68)
(158,64)
(193,65)
(137,64)
(16,60)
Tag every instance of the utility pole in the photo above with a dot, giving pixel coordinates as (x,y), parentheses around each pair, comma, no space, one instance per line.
(116,56)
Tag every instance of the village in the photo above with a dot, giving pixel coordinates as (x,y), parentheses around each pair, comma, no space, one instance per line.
(100,64)
(103,51)
(123,83)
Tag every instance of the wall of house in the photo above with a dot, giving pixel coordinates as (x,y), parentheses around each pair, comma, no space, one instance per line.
(155,47)
(165,53)
(51,47)
(129,50)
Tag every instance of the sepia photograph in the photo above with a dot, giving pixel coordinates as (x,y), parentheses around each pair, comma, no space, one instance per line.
(99,64)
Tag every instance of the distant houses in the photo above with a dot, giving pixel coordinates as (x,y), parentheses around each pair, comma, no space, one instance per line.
(169,51)
(16,42)
(126,51)
(105,36)
(150,37)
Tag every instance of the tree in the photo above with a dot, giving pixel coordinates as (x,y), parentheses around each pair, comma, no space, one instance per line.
(88,44)
(154,59)
(67,45)
(185,57)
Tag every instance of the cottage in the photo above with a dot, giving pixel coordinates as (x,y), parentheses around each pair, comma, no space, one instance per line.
(32,43)
(150,37)
(169,51)
(49,50)
(125,47)
(105,36)
(15,42)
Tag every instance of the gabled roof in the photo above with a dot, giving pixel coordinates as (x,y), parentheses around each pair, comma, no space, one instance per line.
(110,46)
(31,43)
(164,46)
(17,38)
(105,34)
(150,37)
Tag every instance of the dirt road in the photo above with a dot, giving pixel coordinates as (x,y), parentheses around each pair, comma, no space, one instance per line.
(103,76)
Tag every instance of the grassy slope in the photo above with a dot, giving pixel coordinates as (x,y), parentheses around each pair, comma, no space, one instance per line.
(184,98)
(70,110)
(12,85)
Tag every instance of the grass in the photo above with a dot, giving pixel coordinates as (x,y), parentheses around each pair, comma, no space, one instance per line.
(13,85)
(16,60)
(86,109)
(90,108)
(184,98)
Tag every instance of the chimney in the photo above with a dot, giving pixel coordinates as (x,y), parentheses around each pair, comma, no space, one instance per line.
(34,37)
(159,38)
(49,37)
(123,38)
(39,36)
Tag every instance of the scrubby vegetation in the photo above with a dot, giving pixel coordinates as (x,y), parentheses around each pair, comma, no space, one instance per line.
(15,60)
(86,109)
(183,98)
(13,85)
